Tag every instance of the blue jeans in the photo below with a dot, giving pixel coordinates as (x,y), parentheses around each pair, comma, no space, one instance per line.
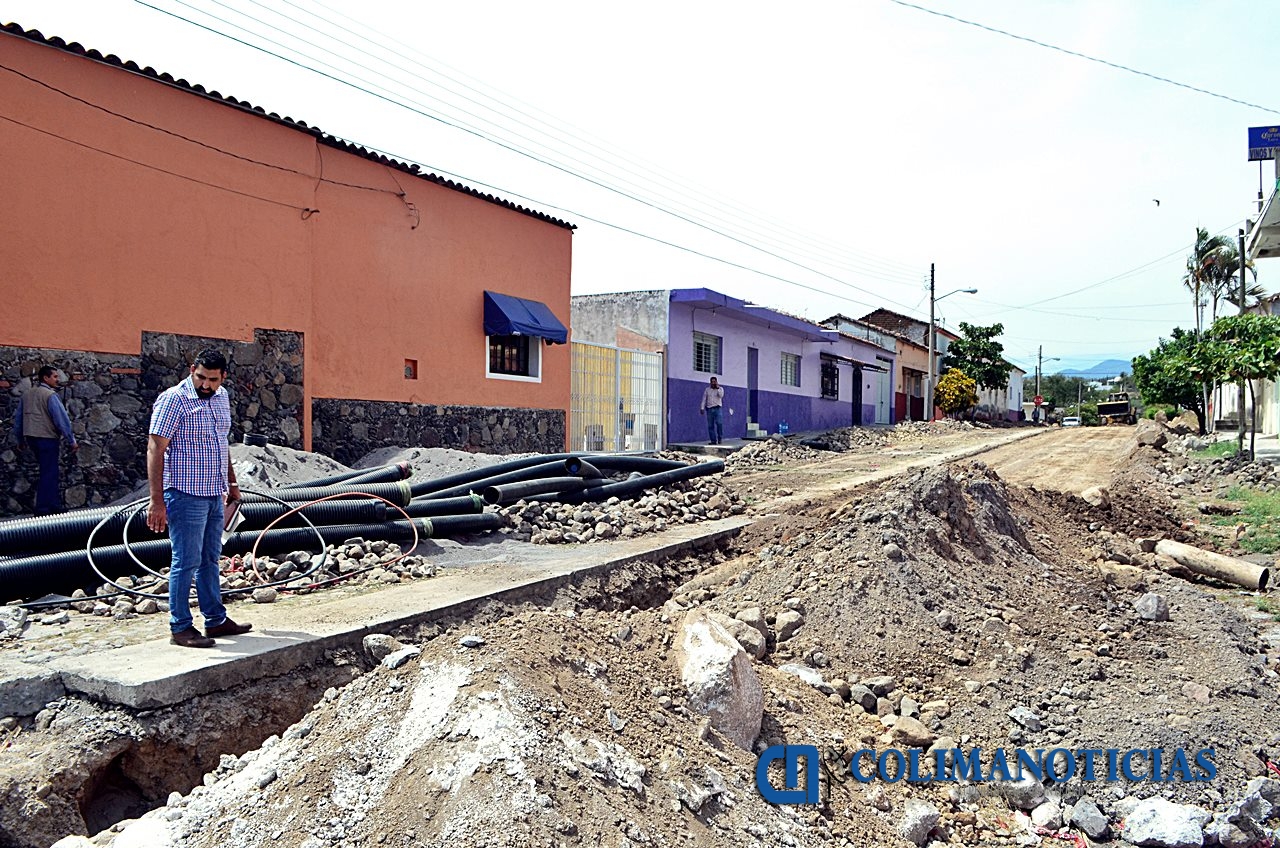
(715,425)
(195,533)
(48,495)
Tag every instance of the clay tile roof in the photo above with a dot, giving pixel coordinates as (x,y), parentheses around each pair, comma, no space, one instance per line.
(301,126)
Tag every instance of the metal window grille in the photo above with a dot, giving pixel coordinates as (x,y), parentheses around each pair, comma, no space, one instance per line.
(617,400)
(509,355)
(706,353)
(830,380)
(790,369)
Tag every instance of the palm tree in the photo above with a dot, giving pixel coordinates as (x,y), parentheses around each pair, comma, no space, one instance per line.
(1224,278)
(1201,267)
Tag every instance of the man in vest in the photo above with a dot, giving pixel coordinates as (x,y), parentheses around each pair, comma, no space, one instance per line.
(40,422)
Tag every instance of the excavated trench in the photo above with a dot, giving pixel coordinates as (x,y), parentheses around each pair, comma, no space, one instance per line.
(102,765)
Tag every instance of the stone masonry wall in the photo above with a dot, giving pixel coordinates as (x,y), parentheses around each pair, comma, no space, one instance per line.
(109,398)
(348,429)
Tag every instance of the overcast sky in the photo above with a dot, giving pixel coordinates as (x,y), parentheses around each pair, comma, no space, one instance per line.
(815,157)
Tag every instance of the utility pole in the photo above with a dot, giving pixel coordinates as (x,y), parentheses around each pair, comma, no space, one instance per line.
(1240,387)
(1039,362)
(928,391)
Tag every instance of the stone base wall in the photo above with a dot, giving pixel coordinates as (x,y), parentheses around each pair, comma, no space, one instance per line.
(348,429)
(109,398)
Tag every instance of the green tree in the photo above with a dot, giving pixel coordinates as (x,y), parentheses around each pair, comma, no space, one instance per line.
(1224,280)
(979,355)
(1175,372)
(1204,265)
(1245,347)
(956,392)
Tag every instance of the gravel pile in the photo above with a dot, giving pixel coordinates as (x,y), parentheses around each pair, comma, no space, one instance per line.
(701,499)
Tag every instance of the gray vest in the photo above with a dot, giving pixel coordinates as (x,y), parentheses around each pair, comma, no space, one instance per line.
(36,420)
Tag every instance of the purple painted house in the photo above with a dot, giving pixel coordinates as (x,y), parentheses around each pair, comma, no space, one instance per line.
(777,370)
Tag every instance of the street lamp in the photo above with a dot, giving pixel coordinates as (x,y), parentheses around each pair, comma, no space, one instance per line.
(933,333)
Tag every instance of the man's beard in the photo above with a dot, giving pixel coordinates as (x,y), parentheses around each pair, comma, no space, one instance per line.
(204,393)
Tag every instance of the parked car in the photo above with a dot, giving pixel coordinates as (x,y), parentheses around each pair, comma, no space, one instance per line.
(1071,421)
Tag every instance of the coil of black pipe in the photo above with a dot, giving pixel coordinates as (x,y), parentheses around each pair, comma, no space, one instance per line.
(397,492)
(71,529)
(66,571)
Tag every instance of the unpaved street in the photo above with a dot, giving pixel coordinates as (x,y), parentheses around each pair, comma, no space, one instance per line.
(1065,459)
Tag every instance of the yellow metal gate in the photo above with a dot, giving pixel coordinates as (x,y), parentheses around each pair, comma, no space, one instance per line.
(617,399)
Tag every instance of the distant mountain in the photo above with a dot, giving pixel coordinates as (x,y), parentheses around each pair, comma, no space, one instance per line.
(1101,371)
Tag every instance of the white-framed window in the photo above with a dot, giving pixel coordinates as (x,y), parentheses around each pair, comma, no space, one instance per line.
(706,353)
(791,369)
(514,358)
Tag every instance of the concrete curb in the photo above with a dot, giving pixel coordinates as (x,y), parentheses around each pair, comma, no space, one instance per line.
(155,674)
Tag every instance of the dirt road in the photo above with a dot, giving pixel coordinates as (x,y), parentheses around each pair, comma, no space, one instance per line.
(1065,459)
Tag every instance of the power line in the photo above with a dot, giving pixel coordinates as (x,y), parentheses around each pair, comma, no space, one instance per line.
(486,137)
(677,182)
(1086,56)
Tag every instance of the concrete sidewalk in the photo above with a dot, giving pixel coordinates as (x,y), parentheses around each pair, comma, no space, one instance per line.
(297,630)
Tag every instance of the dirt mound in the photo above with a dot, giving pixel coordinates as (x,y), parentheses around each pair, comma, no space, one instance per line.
(938,607)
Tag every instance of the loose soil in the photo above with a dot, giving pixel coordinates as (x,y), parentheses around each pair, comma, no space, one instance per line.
(562,719)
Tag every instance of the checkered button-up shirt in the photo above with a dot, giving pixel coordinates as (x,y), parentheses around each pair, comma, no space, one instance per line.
(197,430)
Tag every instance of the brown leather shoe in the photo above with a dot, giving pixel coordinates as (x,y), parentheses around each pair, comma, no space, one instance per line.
(227,628)
(190,638)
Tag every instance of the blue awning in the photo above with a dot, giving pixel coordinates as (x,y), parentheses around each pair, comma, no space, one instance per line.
(506,315)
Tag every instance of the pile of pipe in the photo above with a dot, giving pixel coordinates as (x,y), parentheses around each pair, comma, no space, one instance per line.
(59,553)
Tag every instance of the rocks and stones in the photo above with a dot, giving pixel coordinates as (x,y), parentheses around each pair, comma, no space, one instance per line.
(1086,816)
(910,731)
(471,640)
(265,595)
(1024,794)
(787,623)
(919,818)
(12,620)
(881,685)
(398,658)
(719,679)
(379,645)
(1097,496)
(864,697)
(1158,822)
(1152,607)
(1026,717)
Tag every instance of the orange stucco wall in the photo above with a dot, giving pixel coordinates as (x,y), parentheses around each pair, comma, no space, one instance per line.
(200,224)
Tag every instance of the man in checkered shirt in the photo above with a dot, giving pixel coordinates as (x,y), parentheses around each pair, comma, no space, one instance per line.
(191,476)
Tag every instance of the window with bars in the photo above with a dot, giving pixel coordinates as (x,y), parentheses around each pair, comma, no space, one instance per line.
(790,369)
(830,379)
(513,356)
(706,353)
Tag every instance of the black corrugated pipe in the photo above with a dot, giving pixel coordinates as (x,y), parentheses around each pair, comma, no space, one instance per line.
(509,493)
(444,506)
(71,530)
(630,488)
(397,493)
(643,464)
(64,572)
(555,468)
(457,525)
(383,474)
(581,468)
(331,480)
(451,481)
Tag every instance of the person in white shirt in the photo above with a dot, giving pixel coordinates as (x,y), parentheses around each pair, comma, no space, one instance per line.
(711,406)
